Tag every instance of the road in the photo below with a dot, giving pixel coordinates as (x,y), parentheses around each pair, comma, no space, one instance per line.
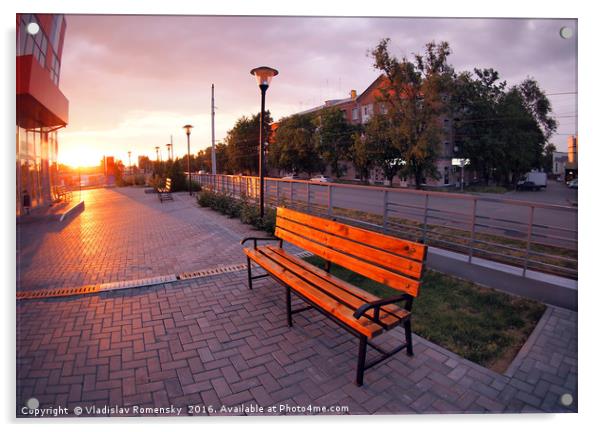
(554,219)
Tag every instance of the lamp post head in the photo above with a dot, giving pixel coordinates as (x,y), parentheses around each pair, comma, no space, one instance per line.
(264,75)
(187,128)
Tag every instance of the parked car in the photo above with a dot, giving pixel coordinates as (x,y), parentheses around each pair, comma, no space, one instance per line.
(291,177)
(528,185)
(573,184)
(321,179)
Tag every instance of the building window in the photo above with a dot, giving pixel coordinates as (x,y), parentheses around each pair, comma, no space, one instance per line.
(29,44)
(355,114)
(446,124)
(57,24)
(55,69)
(383,108)
(367,111)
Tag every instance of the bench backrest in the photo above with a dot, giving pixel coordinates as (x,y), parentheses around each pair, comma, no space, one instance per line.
(168,183)
(389,260)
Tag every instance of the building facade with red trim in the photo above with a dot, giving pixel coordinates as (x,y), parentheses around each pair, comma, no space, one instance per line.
(42,109)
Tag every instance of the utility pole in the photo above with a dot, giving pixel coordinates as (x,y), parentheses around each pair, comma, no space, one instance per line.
(213,162)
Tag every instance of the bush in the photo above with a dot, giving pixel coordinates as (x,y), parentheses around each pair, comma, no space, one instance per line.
(247,212)
(139,180)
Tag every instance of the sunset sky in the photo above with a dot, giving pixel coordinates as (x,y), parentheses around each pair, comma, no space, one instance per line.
(132,81)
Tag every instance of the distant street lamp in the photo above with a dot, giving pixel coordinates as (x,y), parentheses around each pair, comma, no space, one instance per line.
(169,153)
(187,129)
(157,150)
(130,161)
(264,76)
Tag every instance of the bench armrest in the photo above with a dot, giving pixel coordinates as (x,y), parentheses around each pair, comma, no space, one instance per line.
(376,305)
(256,239)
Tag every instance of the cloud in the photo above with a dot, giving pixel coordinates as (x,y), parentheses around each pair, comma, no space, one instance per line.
(126,75)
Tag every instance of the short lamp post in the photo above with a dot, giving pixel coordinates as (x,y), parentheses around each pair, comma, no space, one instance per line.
(187,128)
(264,76)
(130,162)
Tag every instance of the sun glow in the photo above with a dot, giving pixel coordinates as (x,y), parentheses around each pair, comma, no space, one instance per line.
(79,158)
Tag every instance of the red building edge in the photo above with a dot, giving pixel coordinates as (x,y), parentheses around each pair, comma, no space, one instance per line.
(41,108)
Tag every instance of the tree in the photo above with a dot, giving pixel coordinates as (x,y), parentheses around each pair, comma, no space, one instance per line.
(145,164)
(294,145)
(413,94)
(548,157)
(242,143)
(333,139)
(475,102)
(502,131)
(360,156)
(522,139)
(379,138)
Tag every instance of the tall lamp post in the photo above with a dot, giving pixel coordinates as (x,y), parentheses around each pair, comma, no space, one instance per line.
(264,76)
(130,162)
(187,128)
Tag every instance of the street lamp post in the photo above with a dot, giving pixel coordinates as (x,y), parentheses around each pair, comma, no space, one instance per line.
(187,128)
(130,162)
(264,76)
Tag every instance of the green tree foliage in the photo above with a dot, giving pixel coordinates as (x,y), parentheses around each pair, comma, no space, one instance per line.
(502,131)
(380,141)
(242,143)
(413,94)
(333,139)
(548,157)
(360,156)
(294,147)
(475,102)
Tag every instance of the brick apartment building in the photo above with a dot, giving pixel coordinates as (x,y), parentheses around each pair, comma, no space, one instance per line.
(360,108)
(41,109)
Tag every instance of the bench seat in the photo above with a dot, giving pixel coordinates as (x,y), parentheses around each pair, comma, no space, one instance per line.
(326,291)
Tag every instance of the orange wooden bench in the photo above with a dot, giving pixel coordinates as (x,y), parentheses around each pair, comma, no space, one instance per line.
(391,261)
(165,192)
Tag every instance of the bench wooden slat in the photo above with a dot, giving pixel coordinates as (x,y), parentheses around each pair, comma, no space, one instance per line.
(367,253)
(364,268)
(405,248)
(362,325)
(339,294)
(365,296)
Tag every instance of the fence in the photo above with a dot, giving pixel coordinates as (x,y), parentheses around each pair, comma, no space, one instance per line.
(530,235)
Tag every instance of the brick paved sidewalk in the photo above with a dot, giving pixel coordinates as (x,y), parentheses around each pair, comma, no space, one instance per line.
(212,341)
(125,234)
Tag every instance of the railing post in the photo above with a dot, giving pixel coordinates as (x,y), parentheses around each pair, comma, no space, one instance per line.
(426,212)
(277,192)
(472,229)
(330,200)
(529,234)
(292,194)
(385,209)
(308,198)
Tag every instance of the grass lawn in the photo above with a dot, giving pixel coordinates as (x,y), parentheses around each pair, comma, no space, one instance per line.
(480,324)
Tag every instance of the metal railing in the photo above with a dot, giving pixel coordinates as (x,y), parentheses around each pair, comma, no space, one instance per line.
(529,235)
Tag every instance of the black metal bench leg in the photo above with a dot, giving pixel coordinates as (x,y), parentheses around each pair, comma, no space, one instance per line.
(289,308)
(361,362)
(408,328)
(249,273)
